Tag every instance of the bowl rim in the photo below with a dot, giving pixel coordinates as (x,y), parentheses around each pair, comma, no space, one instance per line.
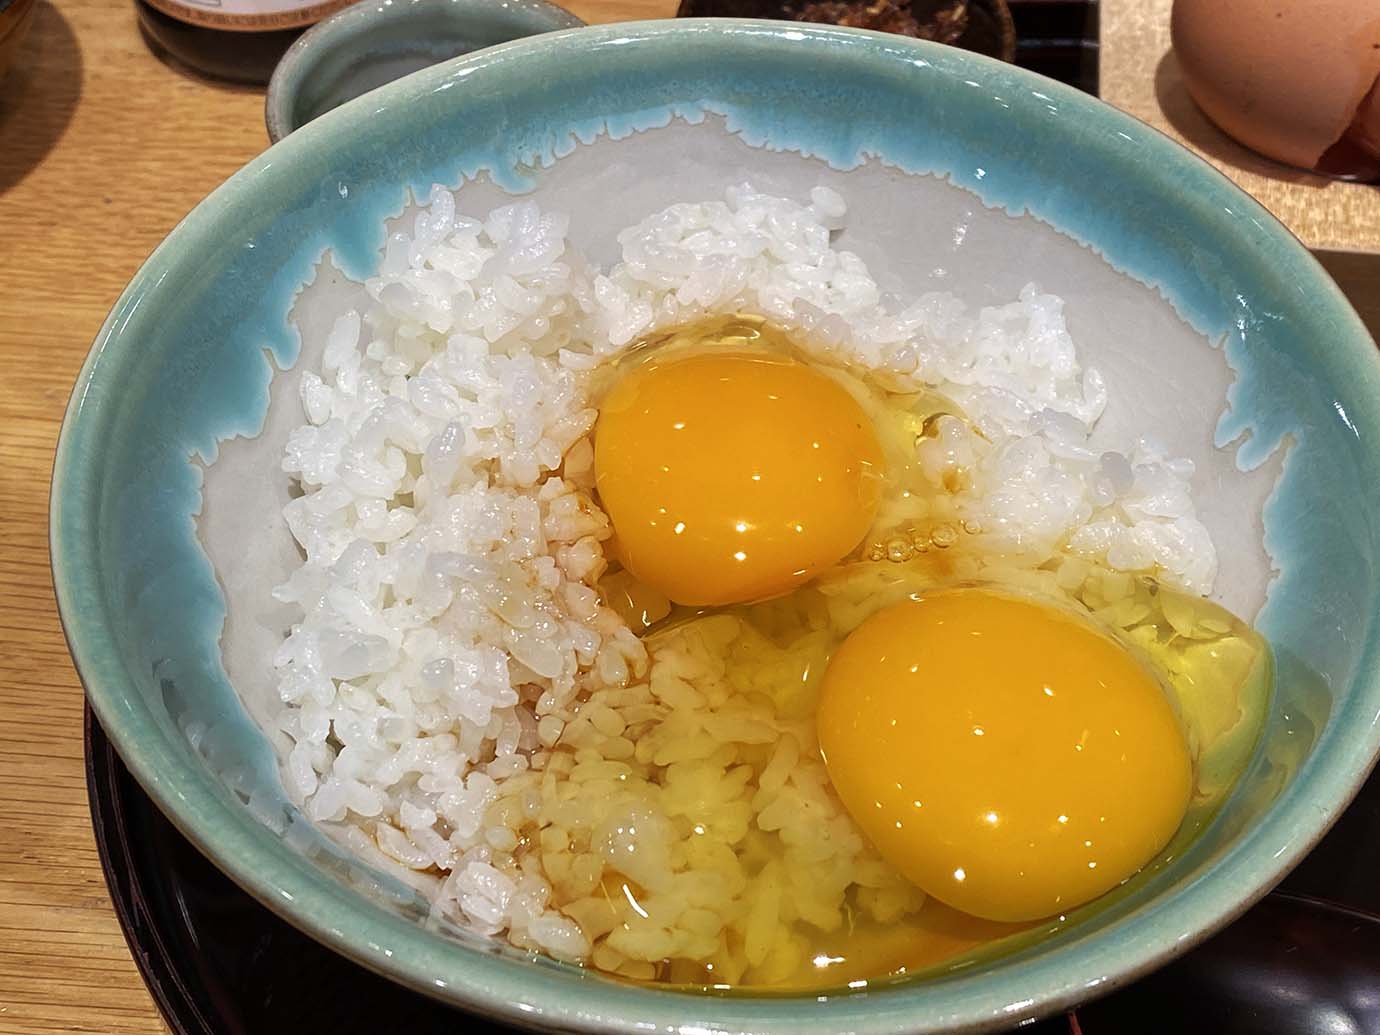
(342,29)
(512,990)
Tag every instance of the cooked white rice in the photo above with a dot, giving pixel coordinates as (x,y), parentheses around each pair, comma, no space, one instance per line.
(460,702)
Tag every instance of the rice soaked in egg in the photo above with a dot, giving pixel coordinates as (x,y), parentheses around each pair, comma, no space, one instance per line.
(468,694)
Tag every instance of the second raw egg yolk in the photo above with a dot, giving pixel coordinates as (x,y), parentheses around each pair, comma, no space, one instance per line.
(732,477)
(1007,757)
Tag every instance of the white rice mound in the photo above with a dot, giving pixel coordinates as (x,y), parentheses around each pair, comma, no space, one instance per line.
(462,707)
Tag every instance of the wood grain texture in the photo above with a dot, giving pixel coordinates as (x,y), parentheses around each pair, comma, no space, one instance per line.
(102,149)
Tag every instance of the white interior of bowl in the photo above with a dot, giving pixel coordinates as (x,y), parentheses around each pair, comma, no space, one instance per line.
(1164,379)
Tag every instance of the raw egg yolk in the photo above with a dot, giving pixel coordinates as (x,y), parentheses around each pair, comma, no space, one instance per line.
(1004,755)
(732,477)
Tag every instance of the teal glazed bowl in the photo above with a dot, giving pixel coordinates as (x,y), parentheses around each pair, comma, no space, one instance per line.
(369,44)
(1212,325)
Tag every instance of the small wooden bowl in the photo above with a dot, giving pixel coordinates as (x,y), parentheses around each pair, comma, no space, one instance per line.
(15,18)
(987,26)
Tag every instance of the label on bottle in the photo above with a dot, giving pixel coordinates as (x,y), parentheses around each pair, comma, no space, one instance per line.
(249,15)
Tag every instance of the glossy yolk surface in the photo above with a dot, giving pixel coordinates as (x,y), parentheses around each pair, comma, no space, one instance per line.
(732,477)
(1004,755)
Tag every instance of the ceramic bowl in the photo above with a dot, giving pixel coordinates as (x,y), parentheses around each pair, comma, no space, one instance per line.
(1214,328)
(369,44)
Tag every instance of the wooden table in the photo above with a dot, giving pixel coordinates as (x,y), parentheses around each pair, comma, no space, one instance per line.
(102,149)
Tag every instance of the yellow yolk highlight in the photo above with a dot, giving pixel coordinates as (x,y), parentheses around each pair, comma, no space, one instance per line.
(1004,755)
(732,477)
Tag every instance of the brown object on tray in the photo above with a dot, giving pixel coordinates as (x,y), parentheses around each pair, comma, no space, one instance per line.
(983,26)
(15,17)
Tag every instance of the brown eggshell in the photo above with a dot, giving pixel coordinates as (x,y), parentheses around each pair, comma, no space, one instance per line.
(1285,77)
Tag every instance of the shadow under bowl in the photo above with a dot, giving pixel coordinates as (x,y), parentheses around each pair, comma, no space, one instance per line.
(16,18)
